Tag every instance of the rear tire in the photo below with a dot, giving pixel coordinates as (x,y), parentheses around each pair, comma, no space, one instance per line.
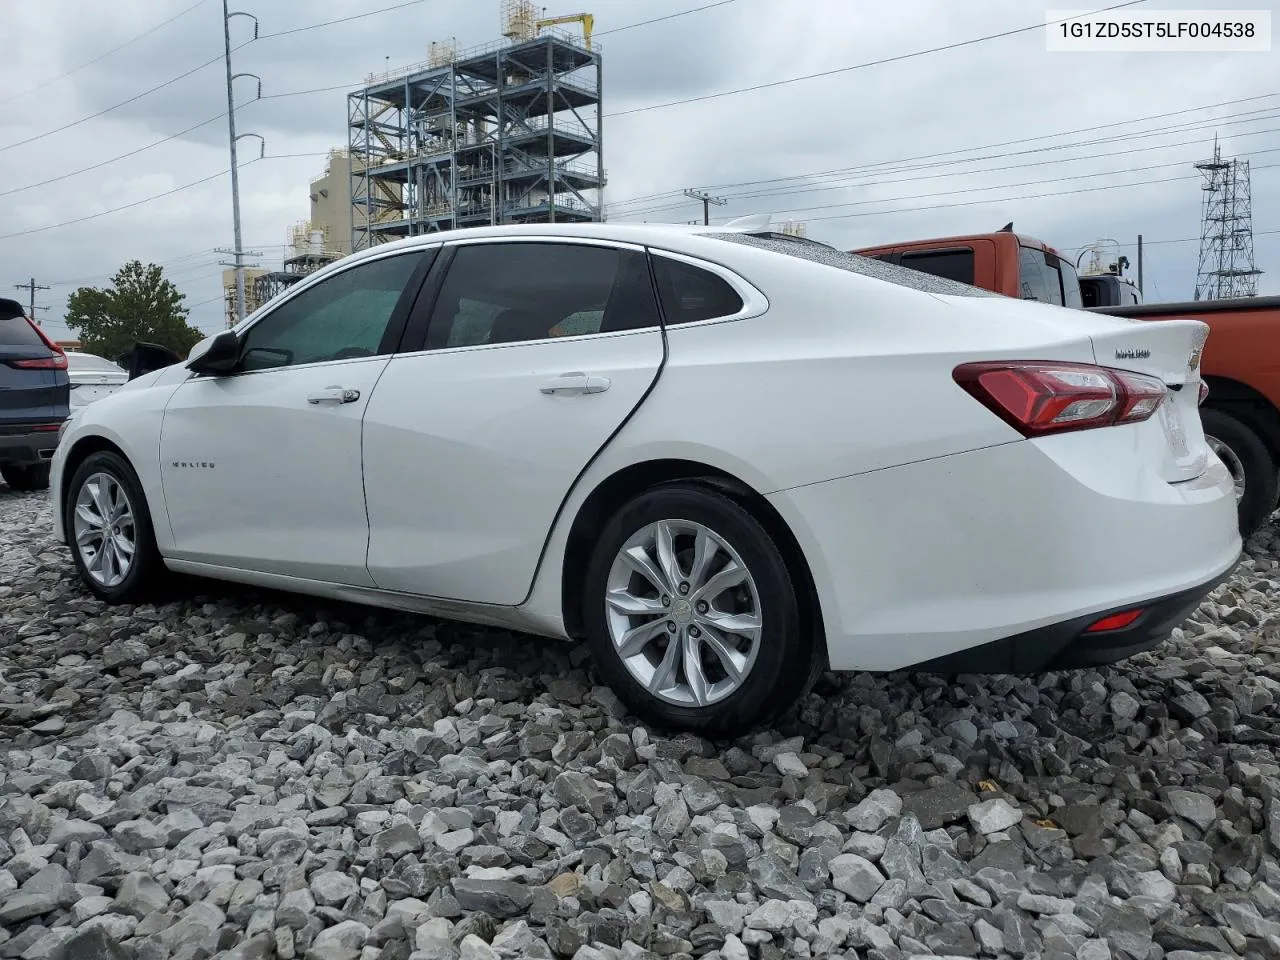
(26,477)
(713,651)
(1250,463)
(105,494)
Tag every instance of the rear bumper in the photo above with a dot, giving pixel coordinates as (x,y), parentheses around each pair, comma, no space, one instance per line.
(1068,645)
(27,445)
(1013,550)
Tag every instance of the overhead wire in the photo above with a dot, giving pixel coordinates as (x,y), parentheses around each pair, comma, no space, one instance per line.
(849,184)
(102,56)
(867,63)
(875,165)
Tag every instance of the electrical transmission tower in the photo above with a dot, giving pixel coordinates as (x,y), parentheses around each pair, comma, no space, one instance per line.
(1226,267)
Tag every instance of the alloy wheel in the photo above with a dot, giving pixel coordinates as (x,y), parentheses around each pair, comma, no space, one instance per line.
(105,529)
(1232,462)
(683,612)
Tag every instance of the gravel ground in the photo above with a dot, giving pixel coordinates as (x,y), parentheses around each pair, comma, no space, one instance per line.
(254,776)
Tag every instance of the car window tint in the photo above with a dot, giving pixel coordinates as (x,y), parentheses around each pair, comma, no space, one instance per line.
(690,294)
(1037,279)
(515,292)
(953,264)
(341,317)
(16,332)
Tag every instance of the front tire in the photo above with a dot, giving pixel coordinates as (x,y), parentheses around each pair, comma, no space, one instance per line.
(692,615)
(109,530)
(26,477)
(1250,463)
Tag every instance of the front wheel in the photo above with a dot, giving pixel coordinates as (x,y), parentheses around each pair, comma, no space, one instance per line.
(1250,463)
(692,615)
(109,529)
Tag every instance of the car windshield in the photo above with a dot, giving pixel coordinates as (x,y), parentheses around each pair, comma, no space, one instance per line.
(816,252)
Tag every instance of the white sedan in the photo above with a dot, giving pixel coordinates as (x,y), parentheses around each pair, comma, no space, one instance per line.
(92,377)
(726,459)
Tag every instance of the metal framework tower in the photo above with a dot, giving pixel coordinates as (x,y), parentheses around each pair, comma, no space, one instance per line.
(1227,267)
(507,133)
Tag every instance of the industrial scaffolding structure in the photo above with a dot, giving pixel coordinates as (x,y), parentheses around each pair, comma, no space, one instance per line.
(505,133)
(1226,268)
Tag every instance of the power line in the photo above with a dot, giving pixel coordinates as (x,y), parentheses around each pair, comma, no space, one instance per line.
(598,33)
(869,63)
(102,56)
(330,23)
(949,153)
(846,184)
(123,156)
(115,106)
(1034,196)
(669,16)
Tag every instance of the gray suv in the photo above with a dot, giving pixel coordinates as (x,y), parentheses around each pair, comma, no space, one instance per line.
(35,396)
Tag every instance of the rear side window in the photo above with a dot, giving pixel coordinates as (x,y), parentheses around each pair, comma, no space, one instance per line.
(16,332)
(952,264)
(690,294)
(517,292)
(1038,279)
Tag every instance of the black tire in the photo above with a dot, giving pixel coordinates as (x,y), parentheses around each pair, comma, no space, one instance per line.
(1261,481)
(25,477)
(147,571)
(783,662)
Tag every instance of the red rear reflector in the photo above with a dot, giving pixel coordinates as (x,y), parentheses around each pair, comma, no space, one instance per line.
(47,427)
(57,362)
(1037,397)
(1117,621)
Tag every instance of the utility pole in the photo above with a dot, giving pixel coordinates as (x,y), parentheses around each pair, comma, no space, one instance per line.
(31,287)
(1139,263)
(707,200)
(238,252)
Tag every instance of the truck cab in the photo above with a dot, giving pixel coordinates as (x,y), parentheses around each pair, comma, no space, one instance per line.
(1006,262)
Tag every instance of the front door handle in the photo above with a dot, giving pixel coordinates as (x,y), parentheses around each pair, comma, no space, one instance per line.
(334,395)
(571,383)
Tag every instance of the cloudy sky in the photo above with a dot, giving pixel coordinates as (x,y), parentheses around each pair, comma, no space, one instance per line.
(1071,147)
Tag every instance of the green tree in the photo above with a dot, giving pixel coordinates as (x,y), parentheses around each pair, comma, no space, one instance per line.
(140,304)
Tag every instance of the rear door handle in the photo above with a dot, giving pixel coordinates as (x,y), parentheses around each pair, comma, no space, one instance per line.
(570,383)
(334,395)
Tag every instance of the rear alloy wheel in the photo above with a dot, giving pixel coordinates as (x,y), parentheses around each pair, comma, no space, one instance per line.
(109,529)
(692,615)
(25,477)
(1250,464)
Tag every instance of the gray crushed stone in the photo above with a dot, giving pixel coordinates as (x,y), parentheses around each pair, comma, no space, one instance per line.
(257,776)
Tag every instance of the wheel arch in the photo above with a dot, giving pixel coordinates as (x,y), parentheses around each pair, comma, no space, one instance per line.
(628,482)
(80,451)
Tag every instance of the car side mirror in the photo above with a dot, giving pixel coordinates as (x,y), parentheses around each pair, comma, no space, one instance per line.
(217,354)
(144,358)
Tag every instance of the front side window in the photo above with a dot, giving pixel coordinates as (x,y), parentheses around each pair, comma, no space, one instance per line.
(342,317)
(952,264)
(497,293)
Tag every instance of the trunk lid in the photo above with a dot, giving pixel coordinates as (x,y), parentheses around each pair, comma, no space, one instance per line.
(1170,351)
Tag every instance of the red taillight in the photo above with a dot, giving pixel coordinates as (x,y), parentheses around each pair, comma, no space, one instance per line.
(1117,621)
(1204,392)
(57,362)
(1038,397)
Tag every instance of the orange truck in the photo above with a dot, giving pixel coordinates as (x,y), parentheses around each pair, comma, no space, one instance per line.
(1240,365)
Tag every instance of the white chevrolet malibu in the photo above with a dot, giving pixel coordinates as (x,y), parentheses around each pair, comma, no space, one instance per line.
(726,459)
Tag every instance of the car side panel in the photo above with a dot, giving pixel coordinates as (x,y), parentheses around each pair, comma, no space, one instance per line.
(130,419)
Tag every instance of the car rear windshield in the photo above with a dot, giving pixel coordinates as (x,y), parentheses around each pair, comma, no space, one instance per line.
(89,361)
(16,332)
(816,252)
